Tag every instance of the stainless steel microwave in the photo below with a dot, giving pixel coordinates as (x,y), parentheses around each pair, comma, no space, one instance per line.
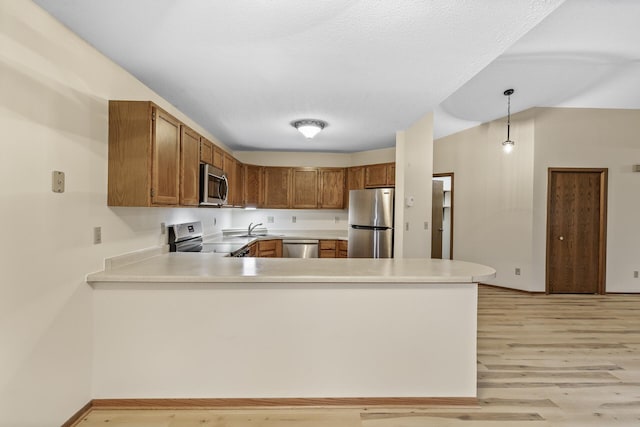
(213,186)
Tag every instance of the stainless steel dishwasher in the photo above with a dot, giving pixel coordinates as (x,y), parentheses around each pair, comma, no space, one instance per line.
(294,248)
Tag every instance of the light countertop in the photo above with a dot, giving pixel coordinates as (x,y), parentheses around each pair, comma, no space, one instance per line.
(210,268)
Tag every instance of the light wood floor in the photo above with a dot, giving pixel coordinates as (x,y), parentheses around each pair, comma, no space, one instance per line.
(543,360)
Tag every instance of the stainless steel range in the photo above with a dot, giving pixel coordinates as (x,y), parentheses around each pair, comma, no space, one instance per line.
(188,237)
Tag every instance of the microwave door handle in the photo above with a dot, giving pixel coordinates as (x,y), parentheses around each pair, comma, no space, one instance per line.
(224,187)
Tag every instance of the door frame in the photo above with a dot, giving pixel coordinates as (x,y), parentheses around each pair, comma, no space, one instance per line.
(602,234)
(449,174)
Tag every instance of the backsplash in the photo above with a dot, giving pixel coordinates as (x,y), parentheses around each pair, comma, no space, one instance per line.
(291,219)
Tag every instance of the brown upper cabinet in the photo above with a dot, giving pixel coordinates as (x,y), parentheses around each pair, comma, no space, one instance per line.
(144,155)
(304,188)
(253,186)
(239,187)
(218,157)
(380,175)
(277,187)
(229,168)
(331,189)
(206,151)
(189,167)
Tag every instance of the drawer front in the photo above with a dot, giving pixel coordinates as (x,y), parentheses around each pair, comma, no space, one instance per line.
(267,245)
(329,245)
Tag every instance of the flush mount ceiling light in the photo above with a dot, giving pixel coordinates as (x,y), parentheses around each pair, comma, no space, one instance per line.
(309,127)
(507,145)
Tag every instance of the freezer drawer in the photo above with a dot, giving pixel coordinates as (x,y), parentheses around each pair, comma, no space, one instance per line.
(370,243)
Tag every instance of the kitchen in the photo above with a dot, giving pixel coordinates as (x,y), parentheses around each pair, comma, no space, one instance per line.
(56,89)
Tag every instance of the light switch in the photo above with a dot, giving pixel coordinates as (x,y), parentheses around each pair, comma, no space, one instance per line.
(57,182)
(97,235)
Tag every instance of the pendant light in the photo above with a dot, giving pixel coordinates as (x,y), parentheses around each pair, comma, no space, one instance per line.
(309,127)
(507,145)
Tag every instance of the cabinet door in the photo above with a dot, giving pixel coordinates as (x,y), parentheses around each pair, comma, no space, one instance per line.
(206,151)
(327,249)
(270,248)
(305,188)
(189,167)
(331,188)
(239,190)
(391,174)
(277,183)
(375,175)
(218,157)
(355,178)
(253,186)
(165,166)
(253,249)
(342,249)
(229,167)
(354,181)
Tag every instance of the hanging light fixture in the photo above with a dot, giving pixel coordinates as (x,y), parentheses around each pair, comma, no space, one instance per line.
(309,127)
(507,145)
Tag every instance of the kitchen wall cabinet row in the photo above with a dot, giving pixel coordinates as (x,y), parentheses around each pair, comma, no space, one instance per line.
(154,160)
(296,188)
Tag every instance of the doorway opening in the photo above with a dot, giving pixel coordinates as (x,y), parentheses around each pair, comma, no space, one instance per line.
(576,230)
(442,216)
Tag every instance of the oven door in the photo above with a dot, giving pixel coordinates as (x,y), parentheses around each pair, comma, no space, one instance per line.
(213,186)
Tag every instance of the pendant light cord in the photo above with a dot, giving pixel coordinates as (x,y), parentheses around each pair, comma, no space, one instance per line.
(508,117)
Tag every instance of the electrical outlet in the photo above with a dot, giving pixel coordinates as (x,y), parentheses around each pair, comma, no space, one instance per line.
(97,235)
(336,219)
(635,274)
(517,271)
(270,220)
(163,228)
(293,219)
(426,225)
(406,226)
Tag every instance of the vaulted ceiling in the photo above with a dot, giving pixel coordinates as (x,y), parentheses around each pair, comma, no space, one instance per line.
(244,69)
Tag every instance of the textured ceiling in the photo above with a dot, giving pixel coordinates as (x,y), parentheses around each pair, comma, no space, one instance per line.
(245,69)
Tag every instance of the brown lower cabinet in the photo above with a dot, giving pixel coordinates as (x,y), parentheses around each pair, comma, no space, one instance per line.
(332,249)
(268,248)
(341,251)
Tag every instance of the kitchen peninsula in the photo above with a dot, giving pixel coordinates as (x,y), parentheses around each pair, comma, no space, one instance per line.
(181,325)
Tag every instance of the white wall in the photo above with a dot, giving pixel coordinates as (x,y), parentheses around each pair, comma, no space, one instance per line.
(305,158)
(492,222)
(414,170)
(53,115)
(501,200)
(572,137)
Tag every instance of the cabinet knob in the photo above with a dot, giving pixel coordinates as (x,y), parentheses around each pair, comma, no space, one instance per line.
(561,238)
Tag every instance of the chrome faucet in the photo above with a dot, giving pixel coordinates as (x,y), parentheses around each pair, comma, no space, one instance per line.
(251,228)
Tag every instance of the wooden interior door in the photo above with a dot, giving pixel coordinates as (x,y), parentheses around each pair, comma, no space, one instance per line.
(576,230)
(436,218)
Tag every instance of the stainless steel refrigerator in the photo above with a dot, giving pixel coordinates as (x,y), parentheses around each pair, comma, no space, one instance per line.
(371,223)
